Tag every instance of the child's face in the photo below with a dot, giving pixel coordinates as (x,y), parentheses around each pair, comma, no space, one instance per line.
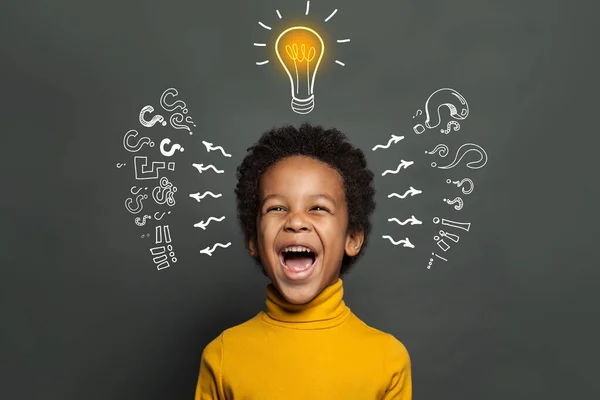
(302,201)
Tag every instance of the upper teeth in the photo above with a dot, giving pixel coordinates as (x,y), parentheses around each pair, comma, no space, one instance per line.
(297,248)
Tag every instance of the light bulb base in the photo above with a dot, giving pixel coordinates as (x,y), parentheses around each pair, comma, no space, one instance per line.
(303,106)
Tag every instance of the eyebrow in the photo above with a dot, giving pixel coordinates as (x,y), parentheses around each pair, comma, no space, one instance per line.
(313,196)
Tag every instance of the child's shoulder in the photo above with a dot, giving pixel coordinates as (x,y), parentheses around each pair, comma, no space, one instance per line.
(369,333)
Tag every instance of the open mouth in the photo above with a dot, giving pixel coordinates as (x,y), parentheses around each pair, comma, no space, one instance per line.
(297,259)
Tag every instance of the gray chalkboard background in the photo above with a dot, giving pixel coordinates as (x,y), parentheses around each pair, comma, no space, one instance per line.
(86,314)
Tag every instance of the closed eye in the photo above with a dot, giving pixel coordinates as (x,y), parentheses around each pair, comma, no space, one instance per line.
(320,208)
(274,209)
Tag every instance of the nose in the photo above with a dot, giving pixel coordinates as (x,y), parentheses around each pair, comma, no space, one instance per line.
(296,222)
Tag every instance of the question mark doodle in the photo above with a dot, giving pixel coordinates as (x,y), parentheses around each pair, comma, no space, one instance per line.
(458,203)
(189,120)
(161,217)
(172,150)
(154,120)
(442,149)
(419,112)
(176,122)
(462,151)
(445,97)
(137,191)
(143,222)
(164,192)
(461,183)
(176,104)
(139,205)
(119,165)
(133,133)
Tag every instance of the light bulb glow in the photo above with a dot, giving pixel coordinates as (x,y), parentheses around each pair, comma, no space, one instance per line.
(300,50)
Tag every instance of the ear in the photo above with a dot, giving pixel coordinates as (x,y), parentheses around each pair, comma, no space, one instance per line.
(354,242)
(252,247)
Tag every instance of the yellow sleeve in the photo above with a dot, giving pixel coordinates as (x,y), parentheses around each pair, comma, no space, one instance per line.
(398,368)
(209,385)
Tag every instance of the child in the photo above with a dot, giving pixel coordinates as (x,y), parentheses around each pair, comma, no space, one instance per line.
(304,200)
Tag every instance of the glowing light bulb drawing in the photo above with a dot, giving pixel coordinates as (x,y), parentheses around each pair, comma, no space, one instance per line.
(300,50)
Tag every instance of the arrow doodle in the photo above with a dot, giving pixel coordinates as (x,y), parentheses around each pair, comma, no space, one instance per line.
(203,224)
(403,164)
(395,139)
(199,196)
(404,242)
(201,168)
(208,251)
(412,191)
(412,220)
(210,147)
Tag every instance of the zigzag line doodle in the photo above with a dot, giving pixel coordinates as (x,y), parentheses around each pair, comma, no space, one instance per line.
(210,147)
(412,220)
(203,224)
(201,168)
(395,139)
(208,251)
(404,242)
(412,191)
(199,196)
(403,164)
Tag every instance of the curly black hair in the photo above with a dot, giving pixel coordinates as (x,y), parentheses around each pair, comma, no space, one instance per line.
(329,146)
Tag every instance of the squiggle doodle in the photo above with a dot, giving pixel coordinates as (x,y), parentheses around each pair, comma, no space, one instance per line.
(403,164)
(208,251)
(174,148)
(140,143)
(412,220)
(139,205)
(395,139)
(210,147)
(412,191)
(154,120)
(444,97)
(448,222)
(462,182)
(462,151)
(203,224)
(405,242)
(142,222)
(176,122)
(156,218)
(201,168)
(458,203)
(176,104)
(164,192)
(442,149)
(199,196)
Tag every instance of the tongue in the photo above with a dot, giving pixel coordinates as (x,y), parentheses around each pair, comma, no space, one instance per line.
(299,263)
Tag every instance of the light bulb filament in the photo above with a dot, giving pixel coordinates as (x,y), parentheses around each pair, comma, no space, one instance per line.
(292,52)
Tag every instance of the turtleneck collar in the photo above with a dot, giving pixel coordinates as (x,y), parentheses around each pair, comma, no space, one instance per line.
(326,310)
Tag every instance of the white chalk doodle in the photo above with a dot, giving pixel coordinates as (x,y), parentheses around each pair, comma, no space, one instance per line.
(278,14)
(441,149)
(413,221)
(393,140)
(460,183)
(454,224)
(134,148)
(331,15)
(412,192)
(156,119)
(444,97)
(164,193)
(161,257)
(176,122)
(208,251)
(203,224)
(209,147)
(405,242)
(156,215)
(178,104)
(440,257)
(307,7)
(137,190)
(142,221)
(403,164)
(139,205)
(431,260)
(162,234)
(457,202)
(172,150)
(171,166)
(201,168)
(189,120)
(462,151)
(441,243)
(119,165)
(142,172)
(452,236)
(199,196)
(147,235)
(419,112)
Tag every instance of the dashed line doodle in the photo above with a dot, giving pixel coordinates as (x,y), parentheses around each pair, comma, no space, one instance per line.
(199,196)
(394,139)
(164,193)
(208,251)
(403,164)
(462,151)
(142,221)
(209,147)
(404,242)
(454,224)
(172,150)
(413,221)
(201,168)
(455,102)
(203,224)
(139,205)
(142,172)
(412,192)
(178,104)
(460,184)
(156,119)
(134,148)
(457,202)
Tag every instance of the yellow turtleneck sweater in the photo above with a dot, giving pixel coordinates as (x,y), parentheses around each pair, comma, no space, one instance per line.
(314,351)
